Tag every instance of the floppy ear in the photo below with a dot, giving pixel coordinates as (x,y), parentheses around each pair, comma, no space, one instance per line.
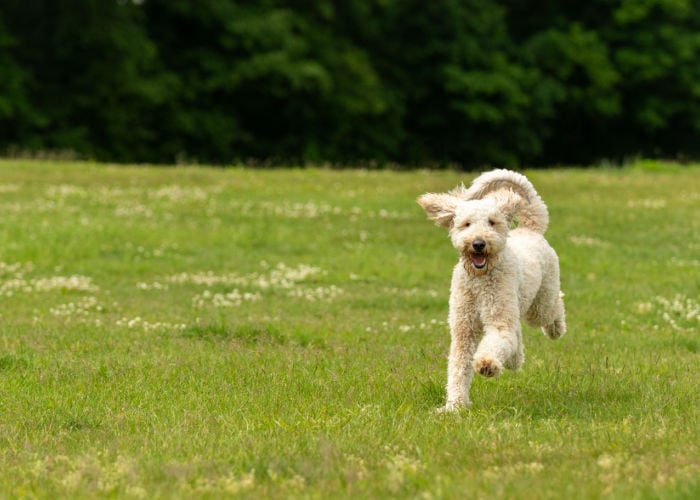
(509,203)
(439,207)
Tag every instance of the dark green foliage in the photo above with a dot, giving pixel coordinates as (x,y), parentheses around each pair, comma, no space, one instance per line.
(624,75)
(90,75)
(16,113)
(471,82)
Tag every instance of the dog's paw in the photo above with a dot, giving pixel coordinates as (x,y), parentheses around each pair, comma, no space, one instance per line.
(515,362)
(556,330)
(453,407)
(487,367)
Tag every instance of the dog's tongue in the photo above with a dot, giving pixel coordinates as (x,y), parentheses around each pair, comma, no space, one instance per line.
(479,260)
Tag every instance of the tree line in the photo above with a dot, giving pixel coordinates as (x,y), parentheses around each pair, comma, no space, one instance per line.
(466,82)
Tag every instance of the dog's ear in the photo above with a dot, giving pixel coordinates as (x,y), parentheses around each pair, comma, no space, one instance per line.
(509,203)
(439,207)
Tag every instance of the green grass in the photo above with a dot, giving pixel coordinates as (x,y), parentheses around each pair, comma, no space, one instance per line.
(197,333)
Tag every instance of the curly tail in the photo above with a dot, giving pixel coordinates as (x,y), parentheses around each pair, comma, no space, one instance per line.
(500,184)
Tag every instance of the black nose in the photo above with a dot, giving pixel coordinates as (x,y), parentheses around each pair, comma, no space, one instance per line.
(478,245)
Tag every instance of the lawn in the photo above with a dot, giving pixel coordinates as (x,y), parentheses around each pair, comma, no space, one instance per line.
(200,332)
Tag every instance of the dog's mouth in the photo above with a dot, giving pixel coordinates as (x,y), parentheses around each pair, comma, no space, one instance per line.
(478,259)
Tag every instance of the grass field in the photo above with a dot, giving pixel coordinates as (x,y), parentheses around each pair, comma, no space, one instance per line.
(197,332)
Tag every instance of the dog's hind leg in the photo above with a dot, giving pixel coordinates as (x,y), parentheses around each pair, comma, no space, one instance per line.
(557,328)
(518,357)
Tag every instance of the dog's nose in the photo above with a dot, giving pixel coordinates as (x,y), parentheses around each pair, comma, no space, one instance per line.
(479,245)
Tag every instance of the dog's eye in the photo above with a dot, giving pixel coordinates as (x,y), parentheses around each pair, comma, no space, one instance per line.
(492,223)
(467,224)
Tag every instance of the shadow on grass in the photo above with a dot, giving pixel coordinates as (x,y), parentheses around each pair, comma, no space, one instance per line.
(250,334)
(591,395)
(10,362)
(245,333)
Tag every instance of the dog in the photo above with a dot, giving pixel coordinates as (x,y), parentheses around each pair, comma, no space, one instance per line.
(506,272)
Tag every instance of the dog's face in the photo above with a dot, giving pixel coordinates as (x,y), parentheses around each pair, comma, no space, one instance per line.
(478,228)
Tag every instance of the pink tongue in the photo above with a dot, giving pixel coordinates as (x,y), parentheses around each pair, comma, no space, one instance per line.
(478,260)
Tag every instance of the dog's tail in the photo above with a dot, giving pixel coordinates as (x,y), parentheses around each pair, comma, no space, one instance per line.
(527,207)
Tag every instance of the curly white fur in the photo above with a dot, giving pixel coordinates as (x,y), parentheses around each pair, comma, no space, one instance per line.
(502,275)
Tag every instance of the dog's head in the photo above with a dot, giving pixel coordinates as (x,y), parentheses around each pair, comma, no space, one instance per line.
(478,228)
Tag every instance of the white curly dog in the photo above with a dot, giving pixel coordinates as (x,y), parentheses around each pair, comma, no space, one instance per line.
(503,275)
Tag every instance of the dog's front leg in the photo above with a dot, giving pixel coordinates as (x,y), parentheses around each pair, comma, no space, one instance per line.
(502,344)
(500,348)
(464,334)
(459,368)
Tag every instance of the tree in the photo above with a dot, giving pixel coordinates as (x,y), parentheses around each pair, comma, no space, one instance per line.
(16,112)
(470,82)
(91,72)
